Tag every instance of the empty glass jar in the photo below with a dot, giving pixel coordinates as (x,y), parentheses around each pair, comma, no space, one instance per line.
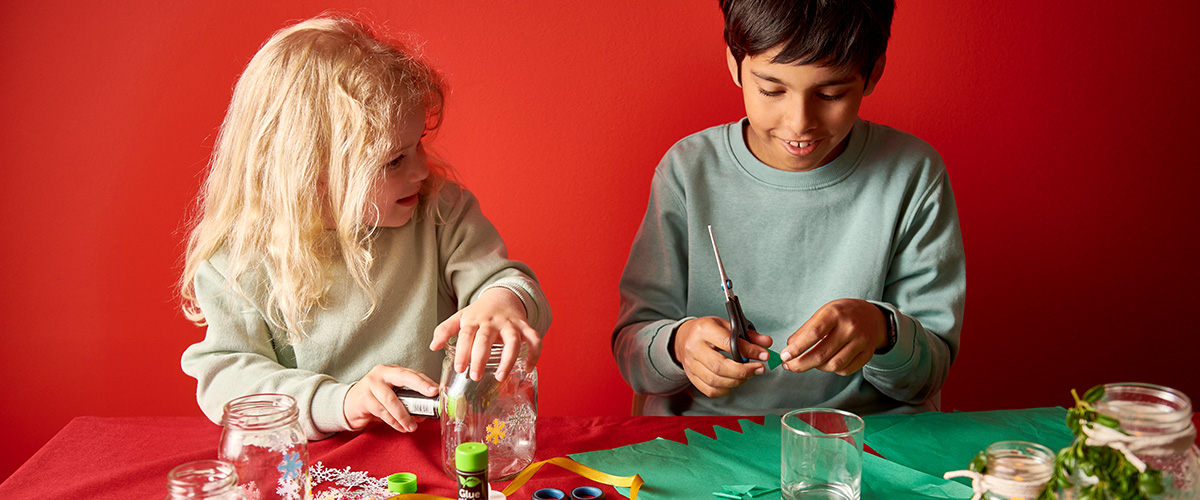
(263,440)
(204,480)
(499,413)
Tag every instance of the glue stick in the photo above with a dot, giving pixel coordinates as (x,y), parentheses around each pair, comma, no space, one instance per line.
(471,460)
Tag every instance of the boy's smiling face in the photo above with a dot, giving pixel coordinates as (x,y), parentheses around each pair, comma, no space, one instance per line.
(800,115)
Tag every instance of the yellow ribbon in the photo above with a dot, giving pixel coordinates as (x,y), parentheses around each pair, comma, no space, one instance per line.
(634,482)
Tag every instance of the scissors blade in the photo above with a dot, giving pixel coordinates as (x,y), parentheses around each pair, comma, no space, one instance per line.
(726,284)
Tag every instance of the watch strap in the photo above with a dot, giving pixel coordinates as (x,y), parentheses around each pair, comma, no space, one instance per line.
(890,318)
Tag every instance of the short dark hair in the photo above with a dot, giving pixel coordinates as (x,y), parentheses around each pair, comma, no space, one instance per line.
(839,33)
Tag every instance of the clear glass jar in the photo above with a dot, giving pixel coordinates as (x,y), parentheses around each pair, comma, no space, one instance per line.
(499,413)
(1153,412)
(204,480)
(1018,469)
(263,440)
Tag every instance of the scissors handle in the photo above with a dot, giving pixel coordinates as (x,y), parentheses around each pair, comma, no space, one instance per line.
(738,328)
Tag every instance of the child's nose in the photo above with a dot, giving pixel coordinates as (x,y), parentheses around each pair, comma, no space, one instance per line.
(419,170)
(799,116)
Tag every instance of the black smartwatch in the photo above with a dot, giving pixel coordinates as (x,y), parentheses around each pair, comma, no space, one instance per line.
(890,319)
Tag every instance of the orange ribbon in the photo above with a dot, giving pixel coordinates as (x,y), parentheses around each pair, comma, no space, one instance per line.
(634,482)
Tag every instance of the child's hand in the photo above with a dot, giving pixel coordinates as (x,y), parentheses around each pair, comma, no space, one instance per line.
(372,397)
(497,312)
(699,344)
(843,336)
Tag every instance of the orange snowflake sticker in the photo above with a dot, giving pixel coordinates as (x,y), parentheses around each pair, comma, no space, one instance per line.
(495,431)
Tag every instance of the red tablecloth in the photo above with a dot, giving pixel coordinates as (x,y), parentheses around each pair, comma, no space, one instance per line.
(124,458)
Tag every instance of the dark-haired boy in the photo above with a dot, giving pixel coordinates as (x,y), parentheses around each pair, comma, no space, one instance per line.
(842,235)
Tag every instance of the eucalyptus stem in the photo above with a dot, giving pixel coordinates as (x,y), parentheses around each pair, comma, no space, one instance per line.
(1102,472)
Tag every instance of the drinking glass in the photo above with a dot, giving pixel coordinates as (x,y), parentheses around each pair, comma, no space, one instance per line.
(821,454)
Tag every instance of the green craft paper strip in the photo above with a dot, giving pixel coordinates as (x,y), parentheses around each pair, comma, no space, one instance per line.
(773,359)
(674,470)
(935,443)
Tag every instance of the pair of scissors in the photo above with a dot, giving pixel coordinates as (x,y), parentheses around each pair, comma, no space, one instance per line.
(738,324)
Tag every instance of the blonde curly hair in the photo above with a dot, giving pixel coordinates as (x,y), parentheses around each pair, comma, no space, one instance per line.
(311,123)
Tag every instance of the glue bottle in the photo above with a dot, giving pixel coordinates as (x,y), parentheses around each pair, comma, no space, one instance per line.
(471,462)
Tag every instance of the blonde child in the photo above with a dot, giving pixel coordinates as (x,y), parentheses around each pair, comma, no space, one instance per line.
(331,257)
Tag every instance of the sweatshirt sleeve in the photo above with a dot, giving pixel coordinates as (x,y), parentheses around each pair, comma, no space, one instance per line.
(654,295)
(474,258)
(237,357)
(926,291)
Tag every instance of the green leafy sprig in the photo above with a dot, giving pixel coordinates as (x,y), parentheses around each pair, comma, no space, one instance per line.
(1116,478)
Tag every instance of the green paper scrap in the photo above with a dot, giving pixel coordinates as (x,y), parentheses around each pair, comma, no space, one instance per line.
(744,491)
(738,489)
(773,359)
(918,450)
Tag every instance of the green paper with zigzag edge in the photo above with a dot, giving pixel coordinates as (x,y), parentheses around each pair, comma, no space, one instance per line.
(704,465)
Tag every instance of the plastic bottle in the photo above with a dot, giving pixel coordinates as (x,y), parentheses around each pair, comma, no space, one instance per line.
(471,462)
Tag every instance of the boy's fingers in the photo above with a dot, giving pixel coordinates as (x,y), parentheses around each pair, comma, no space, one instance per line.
(809,334)
(727,373)
(760,339)
(730,374)
(752,351)
(857,364)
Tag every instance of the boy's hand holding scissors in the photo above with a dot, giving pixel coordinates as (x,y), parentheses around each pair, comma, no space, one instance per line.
(698,344)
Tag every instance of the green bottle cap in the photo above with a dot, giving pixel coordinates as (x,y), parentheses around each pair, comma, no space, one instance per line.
(471,457)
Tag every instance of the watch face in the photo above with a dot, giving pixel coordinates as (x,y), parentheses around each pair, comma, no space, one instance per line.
(890,319)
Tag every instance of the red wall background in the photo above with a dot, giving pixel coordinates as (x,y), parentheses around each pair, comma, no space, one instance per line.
(1068,129)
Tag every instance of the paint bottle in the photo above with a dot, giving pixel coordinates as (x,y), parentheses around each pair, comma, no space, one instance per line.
(417,404)
(471,462)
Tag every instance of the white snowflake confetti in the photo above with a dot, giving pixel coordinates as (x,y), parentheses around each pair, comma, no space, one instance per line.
(354,485)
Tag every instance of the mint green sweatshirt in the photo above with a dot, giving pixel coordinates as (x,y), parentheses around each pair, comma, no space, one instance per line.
(424,272)
(878,223)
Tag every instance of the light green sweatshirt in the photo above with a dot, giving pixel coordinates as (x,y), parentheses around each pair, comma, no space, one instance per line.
(878,223)
(424,272)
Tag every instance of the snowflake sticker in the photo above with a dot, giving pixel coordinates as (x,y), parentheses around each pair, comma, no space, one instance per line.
(288,489)
(250,490)
(289,468)
(495,431)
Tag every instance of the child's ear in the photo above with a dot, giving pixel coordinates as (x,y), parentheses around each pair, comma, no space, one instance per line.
(734,67)
(876,74)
